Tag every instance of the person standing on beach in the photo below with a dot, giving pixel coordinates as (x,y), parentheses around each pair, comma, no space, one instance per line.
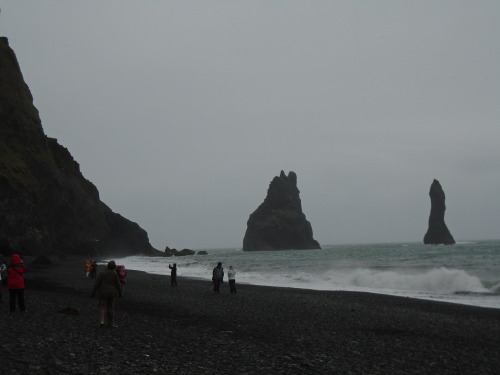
(231,275)
(122,276)
(93,269)
(107,285)
(15,283)
(88,268)
(217,277)
(173,274)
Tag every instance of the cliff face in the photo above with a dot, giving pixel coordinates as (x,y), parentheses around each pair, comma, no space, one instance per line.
(278,223)
(438,232)
(46,205)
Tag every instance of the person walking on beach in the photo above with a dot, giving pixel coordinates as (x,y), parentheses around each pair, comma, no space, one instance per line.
(15,283)
(173,274)
(88,268)
(217,277)
(107,285)
(231,275)
(93,269)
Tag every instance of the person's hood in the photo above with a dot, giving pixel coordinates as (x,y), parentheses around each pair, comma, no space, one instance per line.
(15,259)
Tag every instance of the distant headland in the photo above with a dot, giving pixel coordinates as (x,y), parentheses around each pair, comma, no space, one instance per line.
(46,205)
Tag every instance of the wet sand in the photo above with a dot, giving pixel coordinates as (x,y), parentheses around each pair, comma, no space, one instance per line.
(261,330)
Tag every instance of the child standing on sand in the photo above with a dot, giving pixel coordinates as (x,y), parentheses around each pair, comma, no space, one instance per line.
(122,276)
(231,275)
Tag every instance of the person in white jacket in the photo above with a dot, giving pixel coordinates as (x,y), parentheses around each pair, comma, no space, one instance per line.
(231,275)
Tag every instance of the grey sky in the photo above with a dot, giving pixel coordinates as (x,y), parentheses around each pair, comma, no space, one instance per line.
(182,112)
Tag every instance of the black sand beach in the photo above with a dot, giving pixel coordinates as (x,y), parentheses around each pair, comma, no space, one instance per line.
(260,330)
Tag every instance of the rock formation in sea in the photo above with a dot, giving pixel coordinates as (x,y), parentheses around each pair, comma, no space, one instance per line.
(46,204)
(174,252)
(279,223)
(438,232)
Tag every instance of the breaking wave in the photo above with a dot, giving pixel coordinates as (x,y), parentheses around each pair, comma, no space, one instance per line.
(441,280)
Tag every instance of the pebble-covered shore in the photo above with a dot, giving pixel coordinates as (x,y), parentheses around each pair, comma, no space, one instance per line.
(260,330)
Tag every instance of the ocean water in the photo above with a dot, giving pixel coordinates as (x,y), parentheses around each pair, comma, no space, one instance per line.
(465,273)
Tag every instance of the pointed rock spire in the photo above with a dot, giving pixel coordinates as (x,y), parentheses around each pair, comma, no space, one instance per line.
(438,232)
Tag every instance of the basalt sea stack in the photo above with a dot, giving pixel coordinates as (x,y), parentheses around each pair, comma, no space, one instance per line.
(278,223)
(46,205)
(438,232)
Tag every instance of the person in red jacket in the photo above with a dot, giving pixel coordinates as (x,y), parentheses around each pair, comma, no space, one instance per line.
(15,282)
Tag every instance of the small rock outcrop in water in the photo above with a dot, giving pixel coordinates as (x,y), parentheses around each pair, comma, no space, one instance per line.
(278,223)
(438,232)
(46,205)
(174,252)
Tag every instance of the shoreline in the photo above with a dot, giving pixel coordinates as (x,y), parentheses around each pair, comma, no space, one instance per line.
(445,298)
(190,330)
(339,291)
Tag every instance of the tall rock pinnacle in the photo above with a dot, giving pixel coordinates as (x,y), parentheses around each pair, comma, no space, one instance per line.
(438,232)
(278,223)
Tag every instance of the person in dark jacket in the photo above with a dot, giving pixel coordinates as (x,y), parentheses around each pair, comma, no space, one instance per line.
(93,269)
(107,286)
(173,274)
(217,277)
(15,282)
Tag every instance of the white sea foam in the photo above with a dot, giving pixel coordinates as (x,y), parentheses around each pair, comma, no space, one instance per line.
(495,289)
(442,280)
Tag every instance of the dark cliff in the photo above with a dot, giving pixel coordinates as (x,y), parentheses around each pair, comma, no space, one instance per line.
(438,232)
(279,223)
(46,205)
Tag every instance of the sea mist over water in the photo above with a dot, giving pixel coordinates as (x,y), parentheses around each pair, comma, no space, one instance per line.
(467,273)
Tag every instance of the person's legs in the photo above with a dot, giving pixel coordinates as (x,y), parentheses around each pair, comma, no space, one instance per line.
(110,307)
(232,286)
(20,300)
(102,310)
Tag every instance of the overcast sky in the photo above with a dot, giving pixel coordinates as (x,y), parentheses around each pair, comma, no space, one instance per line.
(182,112)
